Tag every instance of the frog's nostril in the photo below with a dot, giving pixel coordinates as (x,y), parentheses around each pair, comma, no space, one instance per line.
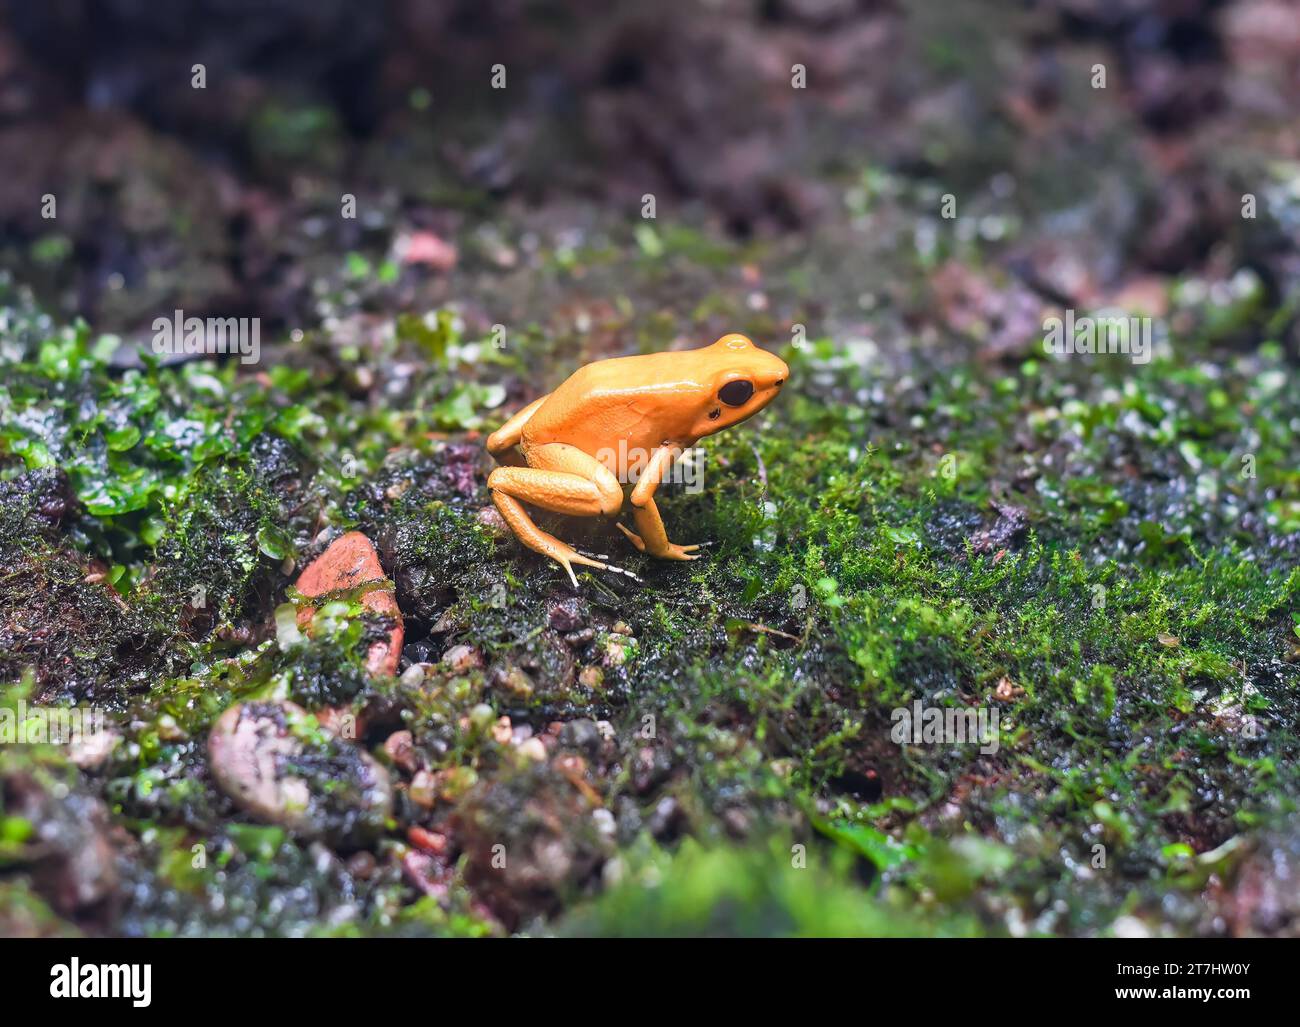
(780,382)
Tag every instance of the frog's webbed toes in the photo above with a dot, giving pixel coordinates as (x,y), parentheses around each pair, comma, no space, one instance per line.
(676,552)
(670,551)
(633,537)
(563,562)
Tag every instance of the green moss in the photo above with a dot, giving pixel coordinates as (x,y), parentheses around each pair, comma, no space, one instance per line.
(1104,553)
(776,889)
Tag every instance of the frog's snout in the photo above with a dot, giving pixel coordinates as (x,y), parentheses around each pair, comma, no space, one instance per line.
(768,383)
(777,374)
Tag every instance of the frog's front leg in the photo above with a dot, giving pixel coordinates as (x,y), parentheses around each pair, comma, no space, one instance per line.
(502,441)
(562,479)
(653,539)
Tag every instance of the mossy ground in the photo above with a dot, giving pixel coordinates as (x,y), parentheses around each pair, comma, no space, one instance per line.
(1103,552)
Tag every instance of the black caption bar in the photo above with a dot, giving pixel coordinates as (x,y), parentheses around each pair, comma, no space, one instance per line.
(167,977)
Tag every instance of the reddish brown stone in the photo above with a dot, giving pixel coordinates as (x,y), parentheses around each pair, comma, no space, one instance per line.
(429,841)
(350,561)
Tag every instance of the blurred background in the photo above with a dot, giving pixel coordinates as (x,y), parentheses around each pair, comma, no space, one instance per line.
(226,198)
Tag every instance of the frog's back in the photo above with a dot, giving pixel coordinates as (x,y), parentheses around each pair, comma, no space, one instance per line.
(637,399)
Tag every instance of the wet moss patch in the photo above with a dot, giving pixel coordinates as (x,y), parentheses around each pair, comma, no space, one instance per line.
(1102,554)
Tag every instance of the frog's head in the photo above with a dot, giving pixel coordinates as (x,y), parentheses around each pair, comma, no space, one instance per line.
(741,378)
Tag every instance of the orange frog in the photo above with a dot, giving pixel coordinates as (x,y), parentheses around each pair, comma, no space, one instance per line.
(574,439)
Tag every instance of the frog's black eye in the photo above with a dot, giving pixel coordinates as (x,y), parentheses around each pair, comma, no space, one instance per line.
(736,393)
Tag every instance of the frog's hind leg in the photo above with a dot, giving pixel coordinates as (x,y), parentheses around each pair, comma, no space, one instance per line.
(562,479)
